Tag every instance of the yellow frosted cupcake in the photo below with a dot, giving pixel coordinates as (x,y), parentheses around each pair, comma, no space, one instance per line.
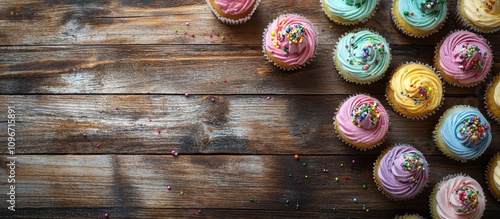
(492,99)
(493,176)
(415,91)
(479,15)
(419,18)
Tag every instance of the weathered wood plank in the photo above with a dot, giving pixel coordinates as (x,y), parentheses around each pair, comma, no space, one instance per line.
(175,69)
(135,186)
(129,124)
(155,22)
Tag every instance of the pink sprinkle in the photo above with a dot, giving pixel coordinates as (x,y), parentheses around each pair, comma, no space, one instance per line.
(192,35)
(199,211)
(186,95)
(98,145)
(84,135)
(213,100)
(187,23)
(299,182)
(159,131)
(169,188)
(218,34)
(150,119)
(225,81)
(353,161)
(106,215)
(210,35)
(268,98)
(116,107)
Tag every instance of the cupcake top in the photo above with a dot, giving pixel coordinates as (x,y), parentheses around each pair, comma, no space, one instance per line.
(460,197)
(403,172)
(417,89)
(465,57)
(364,54)
(291,39)
(234,7)
(495,164)
(482,13)
(466,132)
(352,10)
(423,14)
(363,119)
(496,96)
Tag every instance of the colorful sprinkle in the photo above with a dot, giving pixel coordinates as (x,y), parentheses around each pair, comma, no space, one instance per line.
(169,187)
(296,157)
(365,111)
(468,199)
(474,128)
(364,186)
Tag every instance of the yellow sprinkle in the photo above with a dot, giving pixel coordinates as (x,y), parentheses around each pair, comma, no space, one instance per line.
(273,33)
(331,27)
(223,37)
(430,89)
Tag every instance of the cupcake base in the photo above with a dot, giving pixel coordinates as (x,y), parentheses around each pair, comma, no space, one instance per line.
(491,107)
(232,19)
(490,173)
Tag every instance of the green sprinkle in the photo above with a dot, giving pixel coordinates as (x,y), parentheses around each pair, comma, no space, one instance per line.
(406,13)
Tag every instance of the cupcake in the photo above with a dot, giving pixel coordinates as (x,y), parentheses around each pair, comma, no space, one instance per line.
(492,99)
(409,216)
(401,172)
(419,18)
(415,91)
(362,56)
(463,58)
(462,133)
(233,11)
(457,196)
(493,176)
(362,122)
(479,15)
(290,41)
(349,12)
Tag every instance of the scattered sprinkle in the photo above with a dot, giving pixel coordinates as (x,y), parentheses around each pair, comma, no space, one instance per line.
(364,186)
(182,192)
(296,157)
(84,135)
(355,200)
(304,164)
(169,187)
(186,95)
(106,215)
(213,100)
(187,23)
(251,199)
(98,145)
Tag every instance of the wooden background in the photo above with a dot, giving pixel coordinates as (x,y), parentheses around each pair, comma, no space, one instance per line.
(118,71)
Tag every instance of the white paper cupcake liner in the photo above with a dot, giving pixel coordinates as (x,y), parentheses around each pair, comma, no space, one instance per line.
(436,51)
(463,23)
(486,106)
(375,170)
(348,143)
(232,21)
(401,29)
(284,67)
(428,114)
(435,133)
(352,22)
(334,52)
(486,176)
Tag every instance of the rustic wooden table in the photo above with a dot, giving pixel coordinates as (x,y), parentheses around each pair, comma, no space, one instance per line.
(98,90)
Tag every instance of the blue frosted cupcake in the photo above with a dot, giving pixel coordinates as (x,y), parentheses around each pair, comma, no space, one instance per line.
(349,12)
(463,133)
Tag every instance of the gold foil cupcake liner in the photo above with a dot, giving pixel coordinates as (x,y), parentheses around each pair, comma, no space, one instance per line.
(351,22)
(435,132)
(486,105)
(438,46)
(402,30)
(348,143)
(334,52)
(463,23)
(375,173)
(284,67)
(486,176)
(232,21)
(425,115)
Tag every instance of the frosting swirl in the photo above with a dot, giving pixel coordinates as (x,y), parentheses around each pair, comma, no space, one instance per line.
(362,119)
(423,14)
(363,54)
(352,10)
(291,39)
(496,175)
(465,57)
(416,89)
(403,171)
(460,197)
(234,7)
(484,14)
(466,132)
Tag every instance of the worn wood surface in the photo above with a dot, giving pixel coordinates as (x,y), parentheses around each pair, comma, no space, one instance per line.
(118,70)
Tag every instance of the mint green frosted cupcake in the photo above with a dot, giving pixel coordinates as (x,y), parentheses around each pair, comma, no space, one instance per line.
(349,12)
(362,56)
(419,18)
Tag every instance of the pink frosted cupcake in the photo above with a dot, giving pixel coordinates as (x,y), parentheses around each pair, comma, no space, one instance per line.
(463,58)
(362,122)
(457,196)
(401,172)
(290,41)
(233,11)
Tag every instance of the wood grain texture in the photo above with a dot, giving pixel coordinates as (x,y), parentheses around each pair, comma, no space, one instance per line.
(118,70)
(129,124)
(135,185)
